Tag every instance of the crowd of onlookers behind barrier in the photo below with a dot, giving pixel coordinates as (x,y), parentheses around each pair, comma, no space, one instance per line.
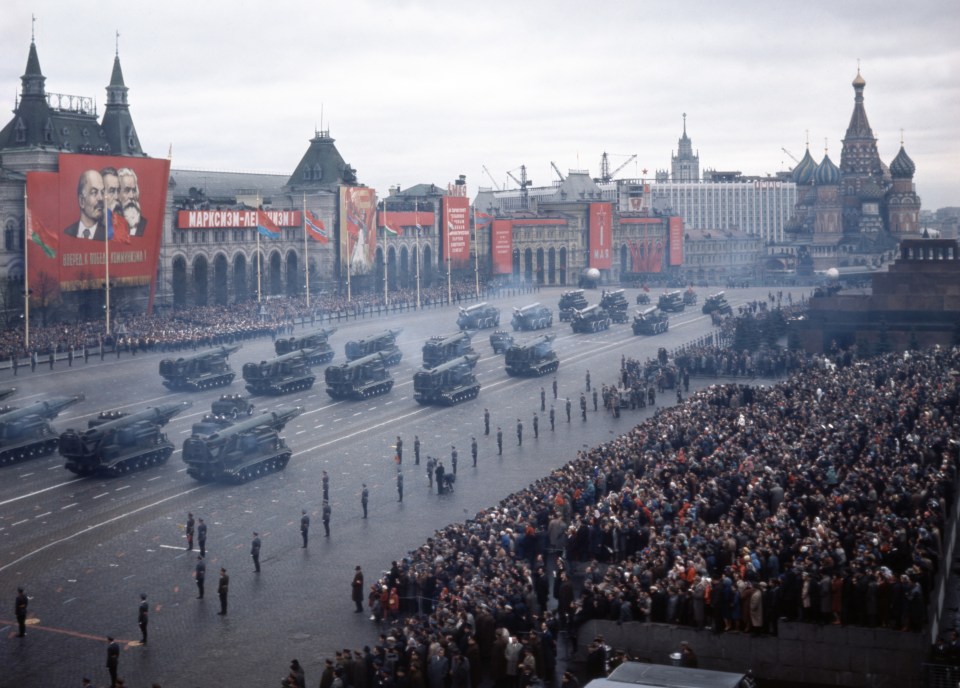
(822,498)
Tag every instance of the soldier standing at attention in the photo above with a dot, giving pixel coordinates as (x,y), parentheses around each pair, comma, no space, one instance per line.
(543,399)
(190,524)
(588,380)
(364,498)
(583,406)
(202,538)
(113,659)
(486,422)
(594,399)
(473,450)
(200,573)
(453,459)
(326,486)
(304,526)
(431,466)
(255,552)
(440,472)
(499,441)
(416,450)
(399,485)
(356,589)
(519,433)
(223,589)
(568,409)
(399,449)
(326,518)
(20,610)
(536,425)
(554,387)
(143,618)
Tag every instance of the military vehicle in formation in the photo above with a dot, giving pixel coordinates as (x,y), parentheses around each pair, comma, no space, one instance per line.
(501,340)
(9,391)
(205,370)
(650,321)
(478,317)
(116,443)
(316,345)
(26,433)
(533,358)
(232,405)
(385,343)
(690,297)
(245,450)
(671,302)
(571,301)
(447,384)
(532,317)
(615,303)
(643,298)
(717,303)
(280,375)
(360,378)
(591,319)
(443,348)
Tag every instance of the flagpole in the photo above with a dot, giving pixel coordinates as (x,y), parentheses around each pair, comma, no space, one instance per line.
(416,219)
(386,236)
(476,253)
(26,270)
(259,292)
(306,251)
(107,223)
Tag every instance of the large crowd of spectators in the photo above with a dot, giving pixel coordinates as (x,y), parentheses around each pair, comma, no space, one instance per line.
(822,498)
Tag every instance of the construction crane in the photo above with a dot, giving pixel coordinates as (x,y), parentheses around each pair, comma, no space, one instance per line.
(492,180)
(524,183)
(792,156)
(605,174)
(556,169)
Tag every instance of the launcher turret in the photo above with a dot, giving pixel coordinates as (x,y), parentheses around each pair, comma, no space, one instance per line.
(204,370)
(532,358)
(26,433)
(448,383)
(359,379)
(443,348)
(384,343)
(532,317)
(316,344)
(281,375)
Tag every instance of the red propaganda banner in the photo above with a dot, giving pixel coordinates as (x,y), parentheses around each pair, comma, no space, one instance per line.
(676,240)
(601,235)
(456,230)
(234,219)
(95,210)
(357,230)
(501,246)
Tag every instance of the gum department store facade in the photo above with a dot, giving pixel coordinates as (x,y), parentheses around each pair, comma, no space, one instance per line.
(859,209)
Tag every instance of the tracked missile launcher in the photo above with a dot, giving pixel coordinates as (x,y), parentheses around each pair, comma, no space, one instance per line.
(650,321)
(478,317)
(117,443)
(443,348)
(248,449)
(359,379)
(571,301)
(447,384)
(384,343)
(590,319)
(614,302)
(532,317)
(26,433)
(717,303)
(280,375)
(205,370)
(533,358)
(671,302)
(690,297)
(316,345)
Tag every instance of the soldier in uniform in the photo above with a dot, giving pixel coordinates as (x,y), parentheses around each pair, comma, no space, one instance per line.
(519,432)
(255,552)
(553,418)
(143,617)
(486,422)
(431,467)
(399,485)
(202,538)
(399,449)
(223,589)
(499,441)
(113,659)
(190,524)
(326,518)
(416,450)
(304,526)
(356,589)
(588,380)
(554,388)
(325,480)
(568,409)
(536,426)
(453,459)
(473,450)
(594,399)
(20,610)
(200,573)
(583,406)
(364,498)
(543,399)
(440,471)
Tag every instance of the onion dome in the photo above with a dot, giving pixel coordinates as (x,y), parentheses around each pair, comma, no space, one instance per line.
(803,172)
(827,174)
(902,166)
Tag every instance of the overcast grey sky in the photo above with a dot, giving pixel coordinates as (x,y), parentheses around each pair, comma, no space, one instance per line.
(425,90)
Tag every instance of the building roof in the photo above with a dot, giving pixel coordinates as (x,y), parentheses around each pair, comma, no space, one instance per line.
(321,167)
(215,186)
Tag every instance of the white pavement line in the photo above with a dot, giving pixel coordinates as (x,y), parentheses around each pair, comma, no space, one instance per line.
(42,515)
(69,506)
(55,467)
(25,475)
(32,494)
(156,477)
(300,432)
(122,487)
(98,525)
(369,428)
(19,522)
(101,495)
(69,601)
(178,547)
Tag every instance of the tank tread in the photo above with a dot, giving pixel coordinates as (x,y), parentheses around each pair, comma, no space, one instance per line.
(547,368)
(209,382)
(451,398)
(256,469)
(33,449)
(322,358)
(373,390)
(155,457)
(393,359)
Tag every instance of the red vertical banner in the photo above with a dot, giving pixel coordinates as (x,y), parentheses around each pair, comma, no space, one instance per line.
(357,230)
(601,235)
(676,240)
(501,246)
(456,230)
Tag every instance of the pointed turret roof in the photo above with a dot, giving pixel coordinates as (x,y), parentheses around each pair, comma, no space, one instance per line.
(859,127)
(33,78)
(321,167)
(902,166)
(118,128)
